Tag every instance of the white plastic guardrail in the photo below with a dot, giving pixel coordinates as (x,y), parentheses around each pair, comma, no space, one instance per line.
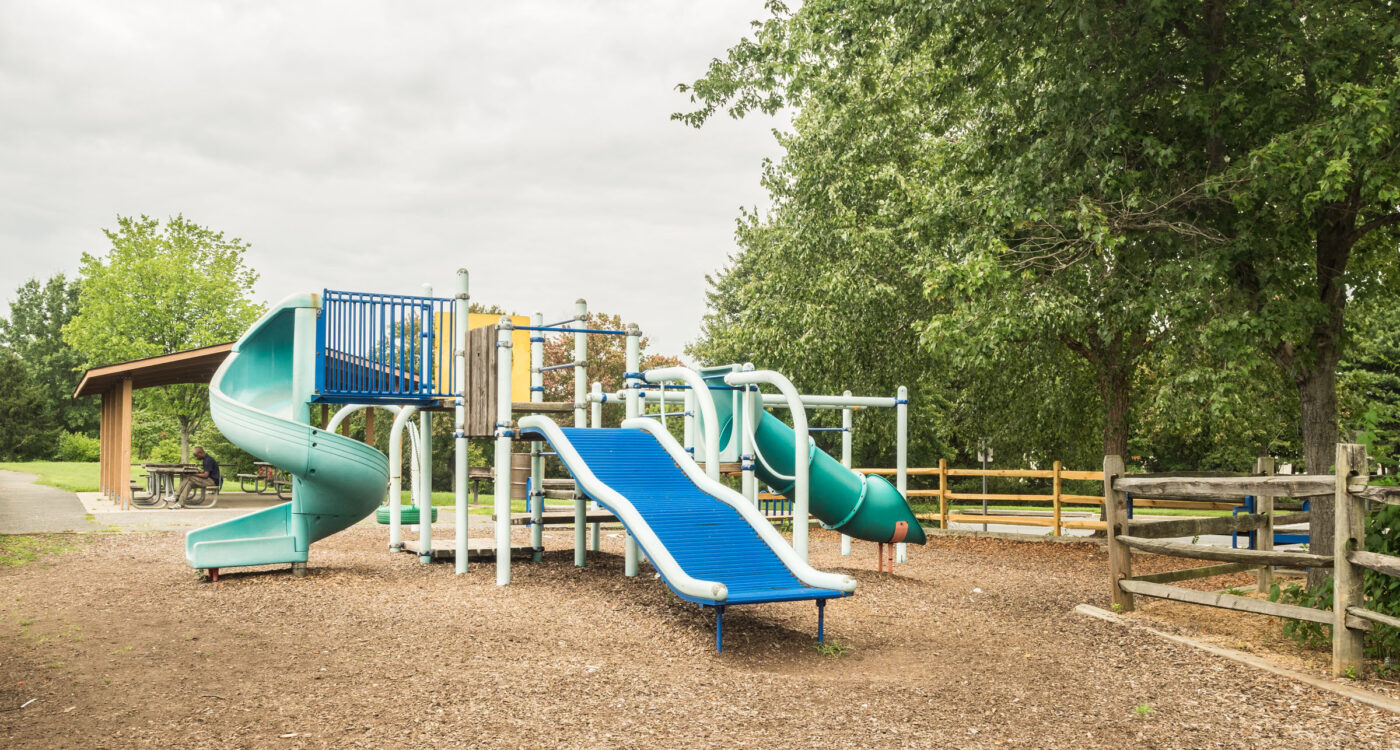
(801,502)
(710,423)
(625,512)
(770,536)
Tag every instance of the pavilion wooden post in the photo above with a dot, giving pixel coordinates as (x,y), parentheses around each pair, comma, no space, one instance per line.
(123,448)
(1264,537)
(1120,557)
(104,454)
(1348,586)
(369,426)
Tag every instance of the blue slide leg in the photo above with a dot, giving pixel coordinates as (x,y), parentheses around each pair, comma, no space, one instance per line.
(821,619)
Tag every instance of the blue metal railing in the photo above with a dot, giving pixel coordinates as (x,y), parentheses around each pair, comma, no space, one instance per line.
(384,348)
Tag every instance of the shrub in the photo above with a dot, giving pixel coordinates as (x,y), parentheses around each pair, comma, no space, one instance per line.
(75,446)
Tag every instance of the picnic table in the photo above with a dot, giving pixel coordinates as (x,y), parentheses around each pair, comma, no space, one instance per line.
(266,478)
(162,481)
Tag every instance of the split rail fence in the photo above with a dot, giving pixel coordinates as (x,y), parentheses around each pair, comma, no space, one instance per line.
(1349,485)
(1056,500)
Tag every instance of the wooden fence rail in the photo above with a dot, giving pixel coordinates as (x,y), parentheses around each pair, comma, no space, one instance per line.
(1349,486)
(1055,501)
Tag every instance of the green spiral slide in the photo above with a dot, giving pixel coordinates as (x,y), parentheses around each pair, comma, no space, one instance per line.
(260,400)
(861,506)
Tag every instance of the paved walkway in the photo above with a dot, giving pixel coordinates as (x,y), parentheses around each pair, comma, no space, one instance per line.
(28,508)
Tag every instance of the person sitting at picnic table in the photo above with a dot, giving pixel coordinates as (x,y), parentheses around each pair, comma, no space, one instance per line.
(209,477)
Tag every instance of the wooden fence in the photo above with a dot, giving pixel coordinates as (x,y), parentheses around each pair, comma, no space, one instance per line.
(1349,485)
(1053,502)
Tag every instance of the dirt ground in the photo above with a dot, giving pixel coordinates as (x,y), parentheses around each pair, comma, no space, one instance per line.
(972,643)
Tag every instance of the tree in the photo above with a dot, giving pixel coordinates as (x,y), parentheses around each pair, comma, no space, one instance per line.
(34,331)
(26,431)
(160,290)
(607,361)
(1109,175)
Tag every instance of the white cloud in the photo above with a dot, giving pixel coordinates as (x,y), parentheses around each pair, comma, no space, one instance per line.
(375,146)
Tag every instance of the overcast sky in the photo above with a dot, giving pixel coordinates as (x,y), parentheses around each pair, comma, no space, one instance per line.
(377,146)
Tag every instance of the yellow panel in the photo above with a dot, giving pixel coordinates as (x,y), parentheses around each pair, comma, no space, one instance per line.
(520,350)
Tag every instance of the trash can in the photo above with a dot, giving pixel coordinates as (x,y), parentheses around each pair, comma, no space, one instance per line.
(519,475)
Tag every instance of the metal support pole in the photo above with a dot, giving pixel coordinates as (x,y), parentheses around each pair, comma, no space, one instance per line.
(597,408)
(536,493)
(846,450)
(901,410)
(801,518)
(459,434)
(504,432)
(634,365)
(580,420)
(396,433)
(821,621)
(749,408)
(425,487)
(425,448)
(687,422)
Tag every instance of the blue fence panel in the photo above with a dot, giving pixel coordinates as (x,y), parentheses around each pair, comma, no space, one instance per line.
(384,348)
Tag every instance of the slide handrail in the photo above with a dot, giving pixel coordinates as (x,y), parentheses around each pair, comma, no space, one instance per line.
(595,488)
(770,536)
(710,418)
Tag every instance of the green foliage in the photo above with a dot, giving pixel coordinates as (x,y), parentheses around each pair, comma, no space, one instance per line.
(1307,634)
(26,429)
(1369,379)
(77,447)
(34,331)
(1383,591)
(832,648)
(1144,710)
(1095,196)
(159,290)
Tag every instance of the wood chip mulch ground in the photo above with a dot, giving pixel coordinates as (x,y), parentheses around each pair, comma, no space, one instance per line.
(973,643)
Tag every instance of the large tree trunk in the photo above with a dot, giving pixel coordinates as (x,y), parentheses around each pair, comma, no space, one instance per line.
(1315,371)
(184,439)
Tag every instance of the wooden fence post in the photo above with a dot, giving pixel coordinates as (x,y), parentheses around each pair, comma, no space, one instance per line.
(1056,499)
(1348,589)
(1264,537)
(943,493)
(1120,557)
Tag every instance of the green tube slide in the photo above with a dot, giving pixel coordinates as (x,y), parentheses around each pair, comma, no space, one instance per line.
(259,399)
(859,506)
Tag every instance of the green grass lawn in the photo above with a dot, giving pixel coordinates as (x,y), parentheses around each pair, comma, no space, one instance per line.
(73,476)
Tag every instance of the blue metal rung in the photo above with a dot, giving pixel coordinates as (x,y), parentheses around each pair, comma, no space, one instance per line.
(553,329)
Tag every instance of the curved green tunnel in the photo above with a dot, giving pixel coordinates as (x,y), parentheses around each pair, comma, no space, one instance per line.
(862,506)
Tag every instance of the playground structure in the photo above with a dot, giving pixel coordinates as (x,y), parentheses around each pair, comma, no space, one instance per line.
(418,355)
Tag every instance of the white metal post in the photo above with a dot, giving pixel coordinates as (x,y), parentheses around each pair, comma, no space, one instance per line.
(846,444)
(597,409)
(580,420)
(634,366)
(460,317)
(425,447)
(747,482)
(396,433)
(801,456)
(504,432)
(688,422)
(901,440)
(535,497)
